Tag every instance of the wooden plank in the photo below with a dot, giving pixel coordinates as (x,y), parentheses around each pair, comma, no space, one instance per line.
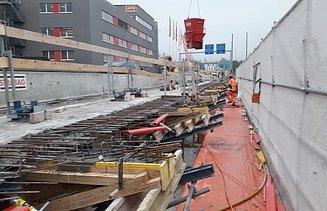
(84,178)
(50,192)
(163,168)
(159,202)
(36,65)
(114,170)
(148,74)
(130,165)
(98,195)
(165,175)
(116,204)
(3,61)
(148,200)
(130,203)
(41,38)
(196,109)
(46,66)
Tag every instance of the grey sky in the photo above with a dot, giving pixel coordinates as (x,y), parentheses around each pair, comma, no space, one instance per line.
(223,17)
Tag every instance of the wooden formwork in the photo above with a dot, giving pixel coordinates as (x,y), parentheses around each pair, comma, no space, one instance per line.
(36,65)
(155,199)
(94,184)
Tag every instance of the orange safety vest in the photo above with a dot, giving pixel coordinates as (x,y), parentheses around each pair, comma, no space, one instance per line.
(233,83)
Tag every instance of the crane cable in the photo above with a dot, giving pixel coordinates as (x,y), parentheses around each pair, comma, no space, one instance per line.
(189,10)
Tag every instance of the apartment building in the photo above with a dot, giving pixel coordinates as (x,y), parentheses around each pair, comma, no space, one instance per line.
(125,28)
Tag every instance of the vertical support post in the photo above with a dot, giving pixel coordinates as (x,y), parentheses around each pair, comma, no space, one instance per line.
(165,79)
(109,84)
(246,45)
(12,75)
(5,76)
(5,79)
(193,80)
(192,189)
(132,79)
(120,173)
(197,79)
(232,56)
(183,81)
(128,79)
(112,78)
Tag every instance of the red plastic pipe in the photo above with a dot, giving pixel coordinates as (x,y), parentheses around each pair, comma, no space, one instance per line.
(143,130)
(159,120)
(271,202)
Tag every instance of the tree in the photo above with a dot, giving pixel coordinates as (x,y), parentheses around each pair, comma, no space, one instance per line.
(236,64)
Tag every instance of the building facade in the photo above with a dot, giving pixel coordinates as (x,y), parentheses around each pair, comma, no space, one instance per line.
(125,28)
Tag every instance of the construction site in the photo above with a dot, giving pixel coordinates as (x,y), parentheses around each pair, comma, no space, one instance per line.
(93,118)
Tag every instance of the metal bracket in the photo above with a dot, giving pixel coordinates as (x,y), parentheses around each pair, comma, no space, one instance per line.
(198,173)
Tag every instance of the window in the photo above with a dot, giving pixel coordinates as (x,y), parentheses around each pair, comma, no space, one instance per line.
(133,30)
(66,32)
(122,43)
(122,24)
(108,58)
(47,31)
(142,50)
(150,52)
(149,39)
(46,8)
(107,17)
(65,8)
(49,54)
(122,59)
(143,22)
(107,38)
(142,35)
(67,55)
(134,47)
(145,37)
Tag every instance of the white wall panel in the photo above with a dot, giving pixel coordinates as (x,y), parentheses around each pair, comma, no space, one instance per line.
(291,122)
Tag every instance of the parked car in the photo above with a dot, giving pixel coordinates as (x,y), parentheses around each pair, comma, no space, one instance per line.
(131,65)
(152,69)
(114,64)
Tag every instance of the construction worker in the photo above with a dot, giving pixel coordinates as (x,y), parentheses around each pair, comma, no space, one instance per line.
(232,90)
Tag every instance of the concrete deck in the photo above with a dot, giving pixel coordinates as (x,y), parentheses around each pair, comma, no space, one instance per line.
(237,175)
(10,131)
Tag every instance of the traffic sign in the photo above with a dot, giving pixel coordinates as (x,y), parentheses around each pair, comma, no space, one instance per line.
(224,66)
(221,48)
(209,49)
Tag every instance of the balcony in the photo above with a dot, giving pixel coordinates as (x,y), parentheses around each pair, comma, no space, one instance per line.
(13,14)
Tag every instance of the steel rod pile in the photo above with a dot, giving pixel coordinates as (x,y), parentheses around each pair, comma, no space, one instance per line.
(83,157)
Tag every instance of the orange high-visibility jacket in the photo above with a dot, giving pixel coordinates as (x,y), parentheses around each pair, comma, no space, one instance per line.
(233,83)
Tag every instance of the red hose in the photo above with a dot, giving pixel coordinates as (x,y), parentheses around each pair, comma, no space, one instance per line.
(159,120)
(143,130)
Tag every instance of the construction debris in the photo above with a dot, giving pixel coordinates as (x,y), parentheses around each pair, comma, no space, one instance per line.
(104,158)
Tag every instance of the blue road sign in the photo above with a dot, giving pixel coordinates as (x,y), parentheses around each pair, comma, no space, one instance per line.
(221,48)
(209,49)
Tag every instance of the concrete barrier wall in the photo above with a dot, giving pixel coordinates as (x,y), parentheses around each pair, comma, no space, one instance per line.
(55,85)
(291,121)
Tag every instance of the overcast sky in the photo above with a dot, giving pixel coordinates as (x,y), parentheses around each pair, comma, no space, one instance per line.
(223,17)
